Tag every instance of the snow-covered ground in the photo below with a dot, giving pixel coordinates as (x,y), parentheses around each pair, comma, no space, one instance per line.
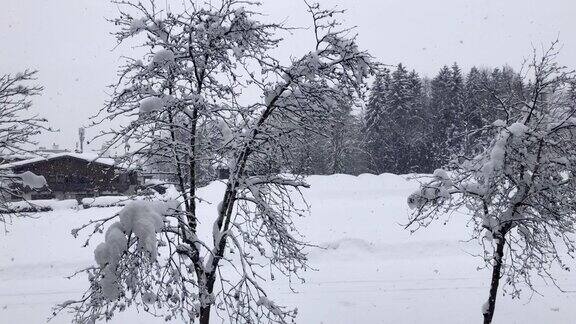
(371,271)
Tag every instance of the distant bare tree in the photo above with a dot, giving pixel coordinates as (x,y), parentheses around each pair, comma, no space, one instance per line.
(18,125)
(521,190)
(199,62)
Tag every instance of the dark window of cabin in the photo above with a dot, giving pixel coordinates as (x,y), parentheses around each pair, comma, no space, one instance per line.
(123,178)
(83,180)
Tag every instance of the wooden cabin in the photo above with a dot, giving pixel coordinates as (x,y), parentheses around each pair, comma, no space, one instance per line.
(76,176)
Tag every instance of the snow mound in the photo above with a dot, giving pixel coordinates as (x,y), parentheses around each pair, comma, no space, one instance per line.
(350,243)
(41,205)
(105,201)
(355,248)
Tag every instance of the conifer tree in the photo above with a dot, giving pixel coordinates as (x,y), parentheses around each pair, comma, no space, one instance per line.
(442,113)
(447,108)
(375,121)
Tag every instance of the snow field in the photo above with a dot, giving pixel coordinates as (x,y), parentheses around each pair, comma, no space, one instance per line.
(369,269)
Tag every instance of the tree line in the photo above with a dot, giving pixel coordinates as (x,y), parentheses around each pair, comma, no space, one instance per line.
(411,124)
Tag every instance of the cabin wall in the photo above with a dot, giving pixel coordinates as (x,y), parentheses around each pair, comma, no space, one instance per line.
(70,178)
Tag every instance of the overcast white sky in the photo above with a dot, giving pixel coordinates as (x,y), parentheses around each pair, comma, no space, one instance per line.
(69,42)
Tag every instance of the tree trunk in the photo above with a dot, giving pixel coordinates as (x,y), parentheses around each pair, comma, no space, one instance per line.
(498,256)
(205,314)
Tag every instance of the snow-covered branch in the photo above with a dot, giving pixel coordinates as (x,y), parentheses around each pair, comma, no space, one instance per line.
(18,126)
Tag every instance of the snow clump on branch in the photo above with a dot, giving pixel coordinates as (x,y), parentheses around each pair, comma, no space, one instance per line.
(151,104)
(32,180)
(163,57)
(138,25)
(143,219)
(439,188)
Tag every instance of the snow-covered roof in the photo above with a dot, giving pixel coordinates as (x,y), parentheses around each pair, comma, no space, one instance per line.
(88,157)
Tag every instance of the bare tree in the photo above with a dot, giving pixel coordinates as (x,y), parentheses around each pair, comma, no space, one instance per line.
(18,126)
(521,190)
(200,60)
